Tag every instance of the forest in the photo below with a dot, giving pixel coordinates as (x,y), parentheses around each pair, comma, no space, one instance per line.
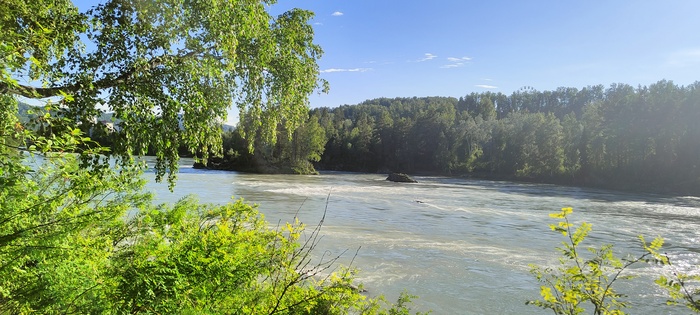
(643,138)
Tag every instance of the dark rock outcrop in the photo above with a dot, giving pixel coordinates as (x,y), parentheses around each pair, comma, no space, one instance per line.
(401,178)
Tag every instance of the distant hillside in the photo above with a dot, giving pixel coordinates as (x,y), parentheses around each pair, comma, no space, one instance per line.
(23,111)
(227,127)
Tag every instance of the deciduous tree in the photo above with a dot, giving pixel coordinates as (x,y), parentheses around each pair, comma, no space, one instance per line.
(168,69)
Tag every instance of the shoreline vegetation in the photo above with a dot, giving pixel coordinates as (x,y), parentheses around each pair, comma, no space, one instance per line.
(640,139)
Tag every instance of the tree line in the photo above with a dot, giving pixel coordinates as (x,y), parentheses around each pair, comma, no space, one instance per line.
(624,137)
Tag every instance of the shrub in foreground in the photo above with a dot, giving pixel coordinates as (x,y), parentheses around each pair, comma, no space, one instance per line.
(585,279)
(79,235)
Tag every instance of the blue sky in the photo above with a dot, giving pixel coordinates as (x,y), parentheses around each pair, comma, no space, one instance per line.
(452,48)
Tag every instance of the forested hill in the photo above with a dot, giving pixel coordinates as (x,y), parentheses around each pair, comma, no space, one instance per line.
(23,111)
(624,137)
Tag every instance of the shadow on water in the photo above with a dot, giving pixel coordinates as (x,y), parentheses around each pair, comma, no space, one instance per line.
(548,190)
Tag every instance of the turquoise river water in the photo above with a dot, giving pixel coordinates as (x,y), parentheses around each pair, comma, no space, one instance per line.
(463,246)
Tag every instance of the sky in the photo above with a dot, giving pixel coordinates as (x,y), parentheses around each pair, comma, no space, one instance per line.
(452,48)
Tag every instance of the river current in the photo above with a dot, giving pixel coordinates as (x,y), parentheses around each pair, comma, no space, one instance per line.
(463,246)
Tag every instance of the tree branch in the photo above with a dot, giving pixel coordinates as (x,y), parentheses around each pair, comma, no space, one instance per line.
(29,91)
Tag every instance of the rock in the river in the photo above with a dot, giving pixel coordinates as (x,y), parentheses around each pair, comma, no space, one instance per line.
(401,178)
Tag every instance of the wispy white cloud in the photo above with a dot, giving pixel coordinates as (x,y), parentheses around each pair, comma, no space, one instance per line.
(428,56)
(455,59)
(456,62)
(346,70)
(487,79)
(337,13)
(318,23)
(484,86)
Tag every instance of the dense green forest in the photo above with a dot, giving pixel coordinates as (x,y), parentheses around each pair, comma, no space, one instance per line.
(623,137)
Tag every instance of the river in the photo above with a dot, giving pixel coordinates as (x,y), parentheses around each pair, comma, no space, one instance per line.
(463,246)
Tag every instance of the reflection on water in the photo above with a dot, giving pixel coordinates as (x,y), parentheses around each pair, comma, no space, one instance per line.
(462,245)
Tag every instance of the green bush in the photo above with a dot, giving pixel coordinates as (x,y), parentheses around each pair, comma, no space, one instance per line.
(585,279)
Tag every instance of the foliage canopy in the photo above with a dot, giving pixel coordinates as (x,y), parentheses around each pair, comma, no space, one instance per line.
(620,137)
(168,69)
